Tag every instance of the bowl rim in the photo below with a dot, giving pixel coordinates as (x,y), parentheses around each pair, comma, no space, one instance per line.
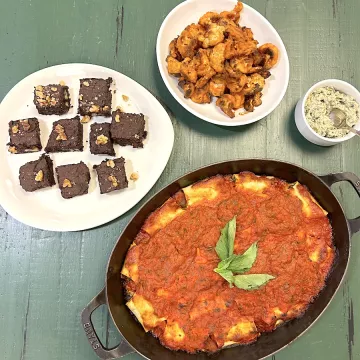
(204,117)
(328,82)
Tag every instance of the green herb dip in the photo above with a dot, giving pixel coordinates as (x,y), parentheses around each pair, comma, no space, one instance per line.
(319,105)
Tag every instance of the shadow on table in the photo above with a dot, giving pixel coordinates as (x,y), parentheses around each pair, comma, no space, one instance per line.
(302,143)
(176,111)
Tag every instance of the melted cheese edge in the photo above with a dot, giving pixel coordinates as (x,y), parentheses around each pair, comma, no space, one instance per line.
(144,312)
(131,270)
(306,203)
(174,332)
(196,194)
(245,329)
(249,183)
(162,220)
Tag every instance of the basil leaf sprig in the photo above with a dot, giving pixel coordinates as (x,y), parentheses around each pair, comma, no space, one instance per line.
(231,264)
(225,246)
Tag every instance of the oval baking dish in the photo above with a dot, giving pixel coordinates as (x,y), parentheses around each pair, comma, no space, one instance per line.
(148,346)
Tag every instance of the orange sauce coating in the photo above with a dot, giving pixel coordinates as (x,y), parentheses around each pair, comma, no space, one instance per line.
(175,265)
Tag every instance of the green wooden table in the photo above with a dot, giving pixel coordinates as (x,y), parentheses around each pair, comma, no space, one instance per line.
(47,278)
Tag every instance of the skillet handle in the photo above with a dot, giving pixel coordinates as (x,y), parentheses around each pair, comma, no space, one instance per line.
(103,353)
(354,180)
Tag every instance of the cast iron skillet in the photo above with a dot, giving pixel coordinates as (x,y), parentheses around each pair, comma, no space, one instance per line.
(267,344)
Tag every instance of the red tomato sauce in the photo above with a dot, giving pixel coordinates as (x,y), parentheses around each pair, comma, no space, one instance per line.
(181,259)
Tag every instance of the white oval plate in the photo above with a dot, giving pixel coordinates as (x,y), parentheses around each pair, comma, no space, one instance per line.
(46,209)
(189,12)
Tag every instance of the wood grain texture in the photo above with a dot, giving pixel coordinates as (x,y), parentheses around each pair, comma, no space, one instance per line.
(47,278)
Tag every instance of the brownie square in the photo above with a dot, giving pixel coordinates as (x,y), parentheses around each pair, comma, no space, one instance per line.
(100,139)
(111,175)
(128,129)
(73,180)
(53,99)
(24,136)
(95,97)
(38,174)
(66,135)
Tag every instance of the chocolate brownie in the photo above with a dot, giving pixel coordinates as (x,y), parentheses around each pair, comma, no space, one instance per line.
(73,179)
(128,129)
(37,174)
(24,136)
(66,135)
(100,140)
(111,175)
(52,99)
(95,97)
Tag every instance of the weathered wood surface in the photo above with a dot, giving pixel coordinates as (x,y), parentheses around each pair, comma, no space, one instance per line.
(47,278)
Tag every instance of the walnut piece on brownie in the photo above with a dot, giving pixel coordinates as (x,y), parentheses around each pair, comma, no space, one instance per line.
(100,140)
(95,97)
(53,99)
(128,129)
(73,180)
(111,175)
(66,135)
(24,136)
(38,174)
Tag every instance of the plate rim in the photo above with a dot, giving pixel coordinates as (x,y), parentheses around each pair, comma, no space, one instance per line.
(75,228)
(195,112)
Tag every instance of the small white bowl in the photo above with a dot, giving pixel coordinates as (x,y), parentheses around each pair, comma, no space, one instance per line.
(189,12)
(302,123)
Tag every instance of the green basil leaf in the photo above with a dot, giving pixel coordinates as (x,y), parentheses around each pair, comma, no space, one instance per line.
(225,245)
(252,281)
(224,264)
(227,275)
(231,234)
(244,262)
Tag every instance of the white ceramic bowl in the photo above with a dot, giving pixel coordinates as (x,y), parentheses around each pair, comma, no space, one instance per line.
(189,12)
(302,123)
